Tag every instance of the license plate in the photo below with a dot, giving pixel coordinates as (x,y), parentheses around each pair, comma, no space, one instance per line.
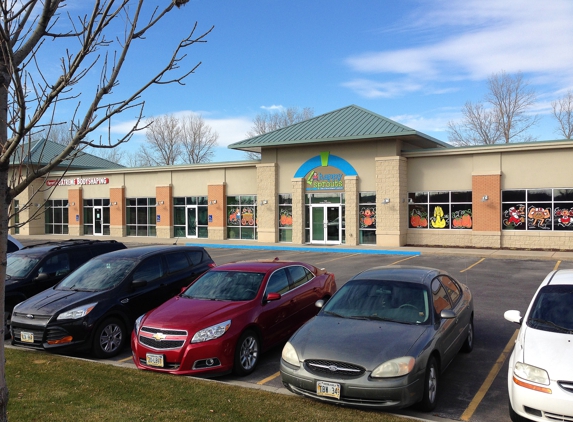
(328,389)
(27,337)
(154,360)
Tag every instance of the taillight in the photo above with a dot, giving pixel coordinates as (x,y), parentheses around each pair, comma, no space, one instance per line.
(212,265)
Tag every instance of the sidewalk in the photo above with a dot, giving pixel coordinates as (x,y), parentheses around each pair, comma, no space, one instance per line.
(362,249)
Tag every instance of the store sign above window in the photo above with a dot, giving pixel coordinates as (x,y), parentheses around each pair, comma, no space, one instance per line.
(325,172)
(78,181)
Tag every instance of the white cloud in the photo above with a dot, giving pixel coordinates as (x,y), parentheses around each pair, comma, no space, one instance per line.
(273,108)
(470,40)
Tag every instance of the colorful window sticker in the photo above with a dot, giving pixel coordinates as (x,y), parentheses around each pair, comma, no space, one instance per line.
(368,217)
(539,217)
(513,216)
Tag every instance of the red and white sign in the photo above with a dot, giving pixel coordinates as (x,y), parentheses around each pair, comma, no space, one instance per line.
(78,181)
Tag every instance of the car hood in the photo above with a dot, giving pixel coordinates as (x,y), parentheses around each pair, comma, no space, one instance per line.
(550,351)
(51,301)
(364,343)
(184,313)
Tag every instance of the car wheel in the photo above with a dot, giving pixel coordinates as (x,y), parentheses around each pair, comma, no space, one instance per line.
(246,353)
(514,416)
(468,345)
(430,396)
(109,338)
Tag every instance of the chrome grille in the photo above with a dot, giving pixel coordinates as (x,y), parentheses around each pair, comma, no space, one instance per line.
(566,385)
(161,344)
(334,368)
(161,330)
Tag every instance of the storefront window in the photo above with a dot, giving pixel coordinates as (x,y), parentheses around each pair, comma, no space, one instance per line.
(367,216)
(140,216)
(537,209)
(96,216)
(285,218)
(242,217)
(56,216)
(440,210)
(191,217)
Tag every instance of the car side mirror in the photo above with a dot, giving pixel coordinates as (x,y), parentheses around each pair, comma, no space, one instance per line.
(136,284)
(42,277)
(513,316)
(319,303)
(272,296)
(447,314)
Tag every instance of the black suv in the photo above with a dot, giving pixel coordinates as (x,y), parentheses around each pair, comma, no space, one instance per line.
(36,268)
(95,307)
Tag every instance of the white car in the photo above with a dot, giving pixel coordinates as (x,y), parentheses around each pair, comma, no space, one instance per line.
(540,376)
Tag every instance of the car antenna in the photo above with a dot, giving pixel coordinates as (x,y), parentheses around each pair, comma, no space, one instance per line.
(276,258)
(176,240)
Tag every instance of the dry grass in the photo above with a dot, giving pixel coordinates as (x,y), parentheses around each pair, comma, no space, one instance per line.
(46,387)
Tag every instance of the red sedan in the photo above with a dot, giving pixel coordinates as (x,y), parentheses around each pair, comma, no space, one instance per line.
(228,316)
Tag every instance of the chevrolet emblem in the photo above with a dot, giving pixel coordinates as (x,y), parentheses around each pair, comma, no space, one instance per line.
(30,316)
(159,336)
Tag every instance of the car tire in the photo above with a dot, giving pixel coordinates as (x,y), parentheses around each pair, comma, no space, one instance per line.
(468,345)
(430,396)
(246,353)
(109,338)
(514,416)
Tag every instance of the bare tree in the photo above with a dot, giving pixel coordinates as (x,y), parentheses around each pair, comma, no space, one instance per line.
(84,45)
(198,139)
(563,112)
(267,122)
(506,117)
(163,141)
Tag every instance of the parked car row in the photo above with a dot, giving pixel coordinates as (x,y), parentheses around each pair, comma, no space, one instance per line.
(381,341)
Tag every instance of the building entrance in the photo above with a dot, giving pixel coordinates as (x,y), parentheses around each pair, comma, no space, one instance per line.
(325,227)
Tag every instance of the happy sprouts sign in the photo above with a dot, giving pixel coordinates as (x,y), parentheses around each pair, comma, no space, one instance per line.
(325,178)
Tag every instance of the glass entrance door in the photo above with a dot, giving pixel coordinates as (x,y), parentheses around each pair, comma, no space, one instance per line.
(325,224)
(191,222)
(98,219)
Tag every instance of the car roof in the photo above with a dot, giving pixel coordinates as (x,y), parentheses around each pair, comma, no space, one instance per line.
(145,251)
(43,248)
(407,273)
(262,266)
(561,277)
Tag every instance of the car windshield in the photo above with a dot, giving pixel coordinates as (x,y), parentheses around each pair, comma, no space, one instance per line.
(380,300)
(553,309)
(101,273)
(225,285)
(19,266)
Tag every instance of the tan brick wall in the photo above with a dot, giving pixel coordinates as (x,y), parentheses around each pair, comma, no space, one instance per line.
(351,209)
(486,214)
(217,195)
(117,211)
(531,239)
(391,218)
(267,214)
(298,215)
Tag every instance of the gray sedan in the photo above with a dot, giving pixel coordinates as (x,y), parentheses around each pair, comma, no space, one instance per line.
(382,340)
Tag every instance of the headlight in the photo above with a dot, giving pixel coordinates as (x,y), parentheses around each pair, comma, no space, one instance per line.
(289,355)
(138,323)
(211,333)
(78,312)
(531,373)
(394,368)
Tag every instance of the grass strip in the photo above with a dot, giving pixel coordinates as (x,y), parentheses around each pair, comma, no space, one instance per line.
(45,387)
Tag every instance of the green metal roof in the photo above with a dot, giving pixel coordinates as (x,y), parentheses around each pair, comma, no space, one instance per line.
(350,123)
(42,152)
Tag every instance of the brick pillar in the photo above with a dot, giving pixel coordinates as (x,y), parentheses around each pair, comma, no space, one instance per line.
(486,214)
(298,210)
(267,214)
(117,211)
(351,218)
(75,214)
(391,218)
(164,210)
(217,195)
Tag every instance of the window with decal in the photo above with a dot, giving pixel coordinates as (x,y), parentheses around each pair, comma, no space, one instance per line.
(242,217)
(367,218)
(440,210)
(285,217)
(537,209)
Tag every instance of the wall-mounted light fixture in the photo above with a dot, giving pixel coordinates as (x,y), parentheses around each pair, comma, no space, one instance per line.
(37,205)
(160,203)
(484,198)
(213,202)
(114,203)
(264,202)
(410,201)
(71,203)
(386,201)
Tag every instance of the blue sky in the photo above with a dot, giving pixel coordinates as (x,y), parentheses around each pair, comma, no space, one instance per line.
(413,61)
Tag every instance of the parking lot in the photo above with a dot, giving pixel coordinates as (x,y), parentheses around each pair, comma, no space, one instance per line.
(474,387)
